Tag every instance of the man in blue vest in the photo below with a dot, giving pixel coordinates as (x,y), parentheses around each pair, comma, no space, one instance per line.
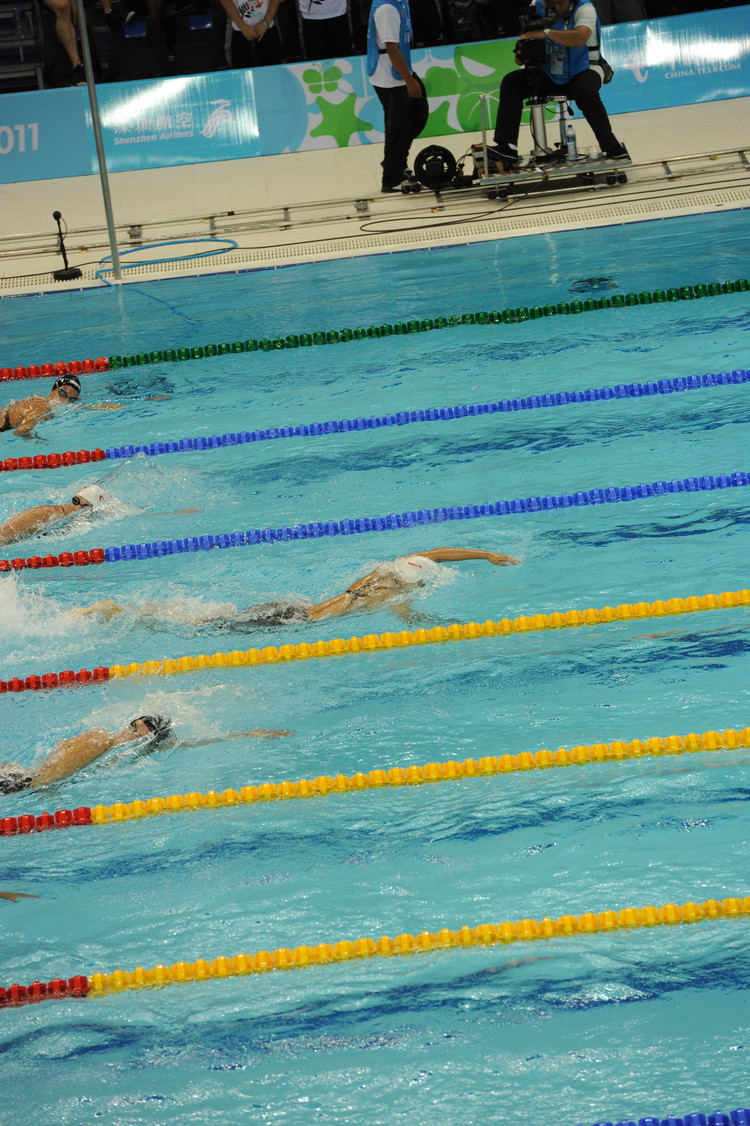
(571,67)
(401,93)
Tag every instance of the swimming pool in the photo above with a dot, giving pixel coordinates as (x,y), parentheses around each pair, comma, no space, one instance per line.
(608,1026)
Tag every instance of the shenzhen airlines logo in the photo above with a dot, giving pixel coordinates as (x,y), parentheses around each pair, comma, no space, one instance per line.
(217,117)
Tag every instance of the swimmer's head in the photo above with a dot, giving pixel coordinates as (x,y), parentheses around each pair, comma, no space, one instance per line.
(13,778)
(158,728)
(91,496)
(67,387)
(413,568)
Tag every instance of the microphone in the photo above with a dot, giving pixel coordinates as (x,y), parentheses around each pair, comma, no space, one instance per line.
(70,273)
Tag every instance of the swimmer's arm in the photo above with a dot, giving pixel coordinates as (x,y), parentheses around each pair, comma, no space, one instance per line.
(34,413)
(459,554)
(12,896)
(258,733)
(31,521)
(102,406)
(73,754)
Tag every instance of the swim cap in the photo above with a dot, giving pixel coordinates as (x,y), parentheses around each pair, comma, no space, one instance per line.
(13,778)
(68,381)
(160,727)
(413,568)
(93,494)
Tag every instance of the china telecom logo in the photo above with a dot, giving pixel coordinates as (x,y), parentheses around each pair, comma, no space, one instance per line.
(221,115)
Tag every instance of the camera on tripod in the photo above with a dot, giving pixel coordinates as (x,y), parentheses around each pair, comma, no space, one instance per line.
(530,53)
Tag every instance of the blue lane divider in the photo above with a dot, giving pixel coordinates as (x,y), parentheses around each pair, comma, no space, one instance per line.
(438,414)
(362,524)
(739,1117)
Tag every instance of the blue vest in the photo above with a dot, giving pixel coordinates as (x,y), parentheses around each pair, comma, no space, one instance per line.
(571,60)
(404,39)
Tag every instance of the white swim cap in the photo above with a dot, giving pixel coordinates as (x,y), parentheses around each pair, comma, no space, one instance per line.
(95,495)
(413,568)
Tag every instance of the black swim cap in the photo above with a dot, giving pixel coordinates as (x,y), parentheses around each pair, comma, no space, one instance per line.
(13,778)
(68,381)
(160,727)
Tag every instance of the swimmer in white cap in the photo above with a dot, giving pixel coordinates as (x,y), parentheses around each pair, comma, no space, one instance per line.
(37,519)
(146,732)
(22,415)
(401,576)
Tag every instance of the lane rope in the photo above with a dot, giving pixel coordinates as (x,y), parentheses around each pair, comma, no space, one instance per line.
(374,332)
(378,779)
(621,391)
(739,1117)
(346,950)
(272,655)
(360,525)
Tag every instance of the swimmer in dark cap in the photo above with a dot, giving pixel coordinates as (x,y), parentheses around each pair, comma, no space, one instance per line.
(22,415)
(397,578)
(70,755)
(37,519)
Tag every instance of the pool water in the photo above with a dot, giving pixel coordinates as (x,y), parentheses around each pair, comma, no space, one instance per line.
(579,1029)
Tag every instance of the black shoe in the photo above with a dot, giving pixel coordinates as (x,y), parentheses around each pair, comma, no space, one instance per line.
(617,152)
(398,187)
(78,77)
(503,154)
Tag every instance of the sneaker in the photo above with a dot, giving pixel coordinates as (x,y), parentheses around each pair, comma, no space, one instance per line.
(503,154)
(78,77)
(617,152)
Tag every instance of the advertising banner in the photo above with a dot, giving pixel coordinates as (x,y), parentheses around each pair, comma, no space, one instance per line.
(227,115)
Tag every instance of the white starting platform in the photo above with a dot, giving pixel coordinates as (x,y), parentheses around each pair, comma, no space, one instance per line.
(534,175)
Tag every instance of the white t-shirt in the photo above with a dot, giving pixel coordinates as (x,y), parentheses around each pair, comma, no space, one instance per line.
(250,12)
(387,30)
(321,9)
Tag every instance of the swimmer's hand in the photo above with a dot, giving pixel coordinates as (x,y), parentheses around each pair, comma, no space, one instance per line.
(502,560)
(14,895)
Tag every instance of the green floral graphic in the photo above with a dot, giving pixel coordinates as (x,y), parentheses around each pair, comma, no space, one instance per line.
(340,120)
(317,80)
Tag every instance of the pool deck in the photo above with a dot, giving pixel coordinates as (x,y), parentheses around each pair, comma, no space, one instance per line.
(324,204)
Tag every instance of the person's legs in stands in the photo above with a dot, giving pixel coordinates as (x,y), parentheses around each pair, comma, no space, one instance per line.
(64,13)
(327,39)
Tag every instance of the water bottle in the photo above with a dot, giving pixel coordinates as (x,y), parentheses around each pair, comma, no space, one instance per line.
(570,141)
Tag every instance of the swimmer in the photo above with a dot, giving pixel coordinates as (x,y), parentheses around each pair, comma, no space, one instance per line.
(71,755)
(402,576)
(42,516)
(22,415)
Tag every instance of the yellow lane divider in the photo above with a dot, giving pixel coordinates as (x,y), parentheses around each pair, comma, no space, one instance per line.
(453,770)
(272,654)
(486,934)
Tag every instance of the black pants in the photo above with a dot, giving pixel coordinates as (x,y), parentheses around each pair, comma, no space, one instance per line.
(256,52)
(405,118)
(327,39)
(583,88)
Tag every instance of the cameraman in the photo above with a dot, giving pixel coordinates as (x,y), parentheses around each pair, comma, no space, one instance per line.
(571,55)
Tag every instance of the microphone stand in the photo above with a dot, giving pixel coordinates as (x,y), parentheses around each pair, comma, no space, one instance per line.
(70,273)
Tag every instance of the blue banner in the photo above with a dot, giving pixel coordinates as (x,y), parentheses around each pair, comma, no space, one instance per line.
(228,115)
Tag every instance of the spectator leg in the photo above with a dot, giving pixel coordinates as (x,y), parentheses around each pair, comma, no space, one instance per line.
(64,26)
(327,39)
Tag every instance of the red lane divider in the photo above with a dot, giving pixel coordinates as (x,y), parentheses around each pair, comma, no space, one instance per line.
(28,823)
(54,680)
(15,995)
(45,371)
(51,461)
(64,559)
